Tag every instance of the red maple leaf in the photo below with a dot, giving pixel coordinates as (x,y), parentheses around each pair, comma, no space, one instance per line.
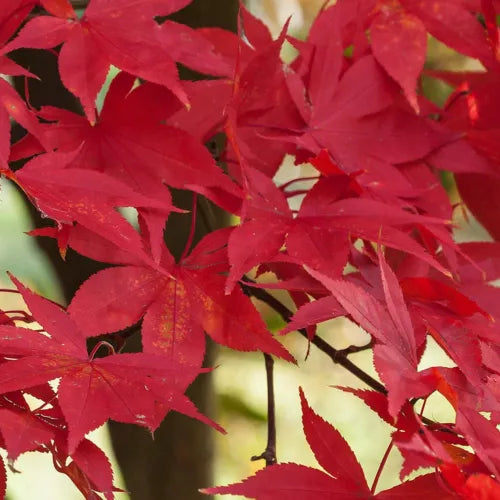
(136,388)
(23,429)
(399,42)
(331,213)
(129,143)
(13,13)
(344,477)
(70,195)
(178,301)
(399,36)
(471,111)
(395,355)
(121,33)
(89,469)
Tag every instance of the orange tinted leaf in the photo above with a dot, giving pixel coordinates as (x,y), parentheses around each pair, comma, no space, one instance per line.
(481,487)
(169,328)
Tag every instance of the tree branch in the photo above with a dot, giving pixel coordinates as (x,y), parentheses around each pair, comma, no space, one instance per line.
(340,357)
(269,454)
(336,355)
(79,4)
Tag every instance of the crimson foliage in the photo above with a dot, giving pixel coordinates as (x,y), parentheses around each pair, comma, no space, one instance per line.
(371,238)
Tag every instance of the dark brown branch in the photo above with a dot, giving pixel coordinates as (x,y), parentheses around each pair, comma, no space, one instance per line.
(79,4)
(269,454)
(336,355)
(356,348)
(340,357)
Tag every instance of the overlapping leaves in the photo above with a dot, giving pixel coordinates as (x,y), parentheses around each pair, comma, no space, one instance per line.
(370,239)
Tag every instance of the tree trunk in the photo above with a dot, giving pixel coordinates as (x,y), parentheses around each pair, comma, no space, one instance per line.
(178,460)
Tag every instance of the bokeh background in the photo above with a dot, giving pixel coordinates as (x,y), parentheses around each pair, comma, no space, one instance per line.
(240,387)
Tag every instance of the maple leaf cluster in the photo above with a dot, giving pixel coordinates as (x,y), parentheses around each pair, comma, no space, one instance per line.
(369,239)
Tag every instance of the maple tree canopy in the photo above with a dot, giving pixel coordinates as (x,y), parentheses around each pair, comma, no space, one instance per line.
(369,238)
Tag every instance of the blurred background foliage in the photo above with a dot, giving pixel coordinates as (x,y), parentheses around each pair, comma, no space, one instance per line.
(240,387)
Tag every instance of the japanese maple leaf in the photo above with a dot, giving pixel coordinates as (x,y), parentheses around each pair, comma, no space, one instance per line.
(129,143)
(477,276)
(439,308)
(399,36)
(392,31)
(473,487)
(399,42)
(89,469)
(12,14)
(134,388)
(87,197)
(395,354)
(449,317)
(353,116)
(480,194)
(482,435)
(179,302)
(344,477)
(253,98)
(429,445)
(330,214)
(362,131)
(21,429)
(208,98)
(444,308)
(266,219)
(11,105)
(470,110)
(456,24)
(121,33)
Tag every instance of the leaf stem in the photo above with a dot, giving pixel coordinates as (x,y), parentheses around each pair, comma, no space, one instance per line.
(192,229)
(23,315)
(381,467)
(297,192)
(298,179)
(109,347)
(269,454)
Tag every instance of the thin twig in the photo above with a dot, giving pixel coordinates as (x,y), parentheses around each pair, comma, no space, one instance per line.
(192,229)
(341,359)
(337,356)
(298,179)
(381,467)
(356,348)
(79,4)
(269,454)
